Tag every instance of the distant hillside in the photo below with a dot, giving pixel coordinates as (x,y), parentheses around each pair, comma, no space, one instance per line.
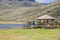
(17,13)
(17,3)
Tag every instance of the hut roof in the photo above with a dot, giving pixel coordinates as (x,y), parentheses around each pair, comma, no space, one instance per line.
(46,17)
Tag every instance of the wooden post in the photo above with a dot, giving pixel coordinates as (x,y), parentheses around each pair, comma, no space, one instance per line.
(56,24)
(37,21)
(47,21)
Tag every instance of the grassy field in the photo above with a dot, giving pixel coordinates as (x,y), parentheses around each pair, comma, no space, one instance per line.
(29,34)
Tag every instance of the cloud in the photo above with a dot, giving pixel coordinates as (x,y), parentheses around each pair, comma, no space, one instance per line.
(45,1)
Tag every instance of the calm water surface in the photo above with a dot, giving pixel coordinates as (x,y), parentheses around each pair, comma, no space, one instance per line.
(11,25)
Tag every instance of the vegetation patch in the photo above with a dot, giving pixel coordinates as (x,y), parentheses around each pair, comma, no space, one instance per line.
(29,34)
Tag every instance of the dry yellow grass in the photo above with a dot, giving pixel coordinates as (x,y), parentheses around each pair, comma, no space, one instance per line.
(3,22)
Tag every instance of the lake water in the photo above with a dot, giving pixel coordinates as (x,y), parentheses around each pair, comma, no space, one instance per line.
(11,25)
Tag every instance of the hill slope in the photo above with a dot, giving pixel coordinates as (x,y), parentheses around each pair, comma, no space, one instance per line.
(18,14)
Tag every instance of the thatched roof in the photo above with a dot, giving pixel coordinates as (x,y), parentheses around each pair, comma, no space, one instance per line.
(46,17)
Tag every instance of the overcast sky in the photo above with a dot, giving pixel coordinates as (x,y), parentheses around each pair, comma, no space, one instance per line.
(45,1)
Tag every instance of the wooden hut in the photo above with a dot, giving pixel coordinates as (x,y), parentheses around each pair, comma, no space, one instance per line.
(46,21)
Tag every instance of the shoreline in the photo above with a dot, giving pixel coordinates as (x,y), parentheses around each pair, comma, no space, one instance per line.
(3,22)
